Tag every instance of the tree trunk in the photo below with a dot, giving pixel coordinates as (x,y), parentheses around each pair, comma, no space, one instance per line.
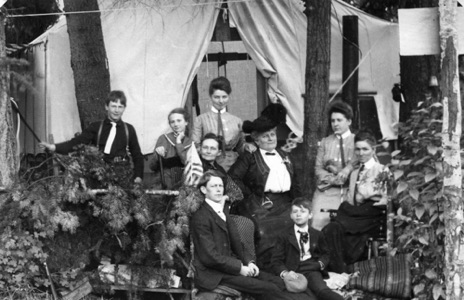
(416,70)
(317,86)
(8,146)
(452,180)
(88,59)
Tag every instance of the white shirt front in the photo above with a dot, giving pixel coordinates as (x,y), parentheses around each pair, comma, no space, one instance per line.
(307,254)
(217,207)
(278,180)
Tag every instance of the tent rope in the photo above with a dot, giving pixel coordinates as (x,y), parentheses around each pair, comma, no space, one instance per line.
(357,67)
(121,9)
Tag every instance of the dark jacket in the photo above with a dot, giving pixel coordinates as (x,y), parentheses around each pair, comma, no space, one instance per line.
(250,172)
(286,253)
(89,136)
(217,245)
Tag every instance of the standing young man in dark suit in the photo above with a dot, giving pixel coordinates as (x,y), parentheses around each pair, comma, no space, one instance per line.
(115,138)
(219,258)
(302,249)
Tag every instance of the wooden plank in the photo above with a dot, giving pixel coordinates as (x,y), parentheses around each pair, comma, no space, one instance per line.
(82,289)
(145,289)
(419,31)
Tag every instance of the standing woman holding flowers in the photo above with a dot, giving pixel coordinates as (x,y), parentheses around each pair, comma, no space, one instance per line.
(334,163)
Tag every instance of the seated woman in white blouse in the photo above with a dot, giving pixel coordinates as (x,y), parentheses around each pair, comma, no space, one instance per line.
(362,212)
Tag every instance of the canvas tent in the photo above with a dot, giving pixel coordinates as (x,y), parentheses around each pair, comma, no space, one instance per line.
(155,52)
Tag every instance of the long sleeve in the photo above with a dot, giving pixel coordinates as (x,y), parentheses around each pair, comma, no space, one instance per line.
(329,153)
(87,137)
(322,250)
(207,243)
(279,256)
(197,131)
(239,170)
(135,152)
(154,163)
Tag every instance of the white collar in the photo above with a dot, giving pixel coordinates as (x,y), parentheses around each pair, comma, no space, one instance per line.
(370,163)
(345,134)
(216,206)
(302,229)
(214,110)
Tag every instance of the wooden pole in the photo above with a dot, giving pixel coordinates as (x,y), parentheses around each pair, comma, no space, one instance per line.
(350,63)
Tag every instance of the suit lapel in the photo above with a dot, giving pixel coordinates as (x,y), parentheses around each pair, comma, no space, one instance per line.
(262,166)
(220,222)
(292,238)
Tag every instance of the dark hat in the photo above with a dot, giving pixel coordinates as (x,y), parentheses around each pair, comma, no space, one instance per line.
(298,285)
(339,106)
(273,115)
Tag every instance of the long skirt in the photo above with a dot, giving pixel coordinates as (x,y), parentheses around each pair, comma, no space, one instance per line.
(269,221)
(347,236)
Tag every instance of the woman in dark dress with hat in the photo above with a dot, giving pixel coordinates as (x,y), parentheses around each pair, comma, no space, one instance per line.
(266,178)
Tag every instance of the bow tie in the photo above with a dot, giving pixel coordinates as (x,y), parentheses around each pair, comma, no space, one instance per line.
(304,236)
(270,153)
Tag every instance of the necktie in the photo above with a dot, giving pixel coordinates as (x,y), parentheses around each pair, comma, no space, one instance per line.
(220,132)
(356,186)
(304,238)
(342,151)
(110,140)
(269,153)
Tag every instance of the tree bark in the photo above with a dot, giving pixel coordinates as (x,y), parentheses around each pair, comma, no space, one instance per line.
(317,86)
(452,180)
(9,160)
(88,59)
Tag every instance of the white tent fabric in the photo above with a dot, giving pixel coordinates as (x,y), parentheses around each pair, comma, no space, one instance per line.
(274,33)
(379,62)
(52,109)
(154,53)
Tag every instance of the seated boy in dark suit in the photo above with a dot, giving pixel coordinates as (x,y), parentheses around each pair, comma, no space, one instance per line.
(302,249)
(219,258)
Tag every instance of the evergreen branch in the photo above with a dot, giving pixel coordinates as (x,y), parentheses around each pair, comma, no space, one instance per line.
(45,178)
(37,167)
(154,223)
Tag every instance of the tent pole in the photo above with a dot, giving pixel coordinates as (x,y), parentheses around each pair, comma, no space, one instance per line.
(351,54)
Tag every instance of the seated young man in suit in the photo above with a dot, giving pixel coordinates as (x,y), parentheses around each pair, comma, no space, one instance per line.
(219,258)
(300,249)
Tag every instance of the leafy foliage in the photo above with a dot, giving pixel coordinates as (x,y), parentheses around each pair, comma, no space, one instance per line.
(417,168)
(54,218)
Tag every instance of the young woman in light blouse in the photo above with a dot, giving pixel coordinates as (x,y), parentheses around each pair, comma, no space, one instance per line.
(334,163)
(171,149)
(222,123)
